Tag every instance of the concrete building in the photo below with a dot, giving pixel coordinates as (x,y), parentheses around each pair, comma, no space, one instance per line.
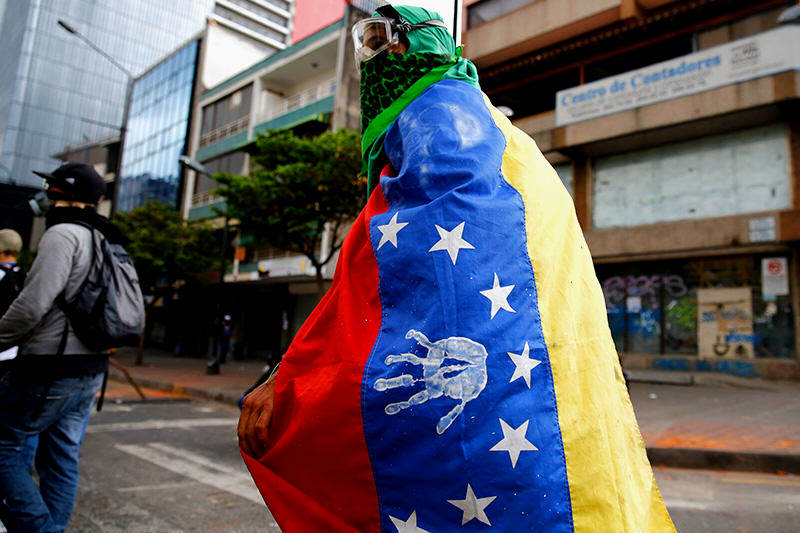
(674,125)
(309,87)
(237,34)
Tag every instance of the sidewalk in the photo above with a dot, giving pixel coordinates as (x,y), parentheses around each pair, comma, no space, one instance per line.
(688,420)
(187,376)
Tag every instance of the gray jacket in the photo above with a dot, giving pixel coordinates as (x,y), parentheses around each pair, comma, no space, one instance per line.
(61,265)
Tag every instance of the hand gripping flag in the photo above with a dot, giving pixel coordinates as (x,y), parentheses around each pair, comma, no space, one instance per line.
(459,375)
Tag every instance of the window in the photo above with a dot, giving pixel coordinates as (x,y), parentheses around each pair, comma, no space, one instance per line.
(492,9)
(736,173)
(564,171)
(655,308)
(232,163)
(226,110)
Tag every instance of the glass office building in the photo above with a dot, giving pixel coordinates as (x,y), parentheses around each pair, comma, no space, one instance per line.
(56,91)
(157,130)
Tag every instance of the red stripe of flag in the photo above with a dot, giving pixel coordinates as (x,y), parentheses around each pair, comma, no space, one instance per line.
(316,475)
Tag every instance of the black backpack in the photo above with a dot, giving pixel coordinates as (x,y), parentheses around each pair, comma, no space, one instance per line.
(108,310)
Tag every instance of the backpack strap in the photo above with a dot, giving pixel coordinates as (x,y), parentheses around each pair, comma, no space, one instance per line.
(61,300)
(102,391)
(62,346)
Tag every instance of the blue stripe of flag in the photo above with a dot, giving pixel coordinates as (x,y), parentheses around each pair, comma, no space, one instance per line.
(448,152)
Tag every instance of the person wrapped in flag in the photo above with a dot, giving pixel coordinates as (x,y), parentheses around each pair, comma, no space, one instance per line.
(459,375)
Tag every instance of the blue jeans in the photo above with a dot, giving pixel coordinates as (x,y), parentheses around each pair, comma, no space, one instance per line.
(59,421)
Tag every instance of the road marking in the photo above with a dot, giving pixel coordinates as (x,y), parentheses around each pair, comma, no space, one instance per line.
(158,486)
(181,423)
(762,481)
(675,503)
(117,409)
(197,467)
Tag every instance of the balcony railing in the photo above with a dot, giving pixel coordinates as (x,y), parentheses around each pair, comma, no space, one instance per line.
(204,198)
(299,100)
(231,128)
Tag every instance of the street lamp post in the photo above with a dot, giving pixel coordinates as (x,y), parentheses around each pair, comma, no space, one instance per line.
(123,128)
(213,365)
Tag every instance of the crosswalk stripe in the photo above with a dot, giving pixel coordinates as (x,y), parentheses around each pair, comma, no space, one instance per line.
(180,423)
(195,467)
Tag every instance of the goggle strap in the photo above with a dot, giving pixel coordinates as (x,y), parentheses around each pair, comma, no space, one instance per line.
(429,23)
(389,12)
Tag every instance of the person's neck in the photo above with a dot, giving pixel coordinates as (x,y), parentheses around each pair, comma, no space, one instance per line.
(71,203)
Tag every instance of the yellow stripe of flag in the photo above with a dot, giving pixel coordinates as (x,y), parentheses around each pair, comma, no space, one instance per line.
(612,488)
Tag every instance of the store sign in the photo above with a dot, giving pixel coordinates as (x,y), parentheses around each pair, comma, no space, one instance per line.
(763,54)
(774,277)
(762,229)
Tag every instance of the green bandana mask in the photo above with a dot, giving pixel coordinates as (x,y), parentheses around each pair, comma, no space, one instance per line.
(390,82)
(384,79)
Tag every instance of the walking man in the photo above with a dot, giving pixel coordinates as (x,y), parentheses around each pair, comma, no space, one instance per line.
(49,389)
(460,372)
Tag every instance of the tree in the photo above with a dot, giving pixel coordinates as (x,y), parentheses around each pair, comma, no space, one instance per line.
(297,188)
(166,249)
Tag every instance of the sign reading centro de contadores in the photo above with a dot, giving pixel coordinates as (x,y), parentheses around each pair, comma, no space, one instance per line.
(764,54)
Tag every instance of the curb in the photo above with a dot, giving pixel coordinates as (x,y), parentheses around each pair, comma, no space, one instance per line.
(708,379)
(194,392)
(725,460)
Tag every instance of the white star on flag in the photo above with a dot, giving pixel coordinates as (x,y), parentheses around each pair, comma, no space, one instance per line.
(514,441)
(408,526)
(451,241)
(524,364)
(389,231)
(499,296)
(473,507)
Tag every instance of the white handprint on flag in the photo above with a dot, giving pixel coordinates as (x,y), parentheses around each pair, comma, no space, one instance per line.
(462,381)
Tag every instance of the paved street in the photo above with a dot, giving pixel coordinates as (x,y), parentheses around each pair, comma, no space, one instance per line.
(166,467)
(707,501)
(174,466)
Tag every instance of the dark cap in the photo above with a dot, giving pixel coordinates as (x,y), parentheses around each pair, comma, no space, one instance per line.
(75,181)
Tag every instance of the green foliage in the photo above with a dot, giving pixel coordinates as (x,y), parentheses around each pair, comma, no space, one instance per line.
(684,313)
(164,247)
(296,187)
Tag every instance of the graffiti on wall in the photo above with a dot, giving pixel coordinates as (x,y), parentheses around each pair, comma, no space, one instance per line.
(634,305)
(725,319)
(617,288)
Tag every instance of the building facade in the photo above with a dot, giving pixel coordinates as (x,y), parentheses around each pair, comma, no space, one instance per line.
(238,33)
(266,21)
(674,125)
(158,126)
(309,87)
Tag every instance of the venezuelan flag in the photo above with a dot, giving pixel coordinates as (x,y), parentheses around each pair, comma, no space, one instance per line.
(459,375)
